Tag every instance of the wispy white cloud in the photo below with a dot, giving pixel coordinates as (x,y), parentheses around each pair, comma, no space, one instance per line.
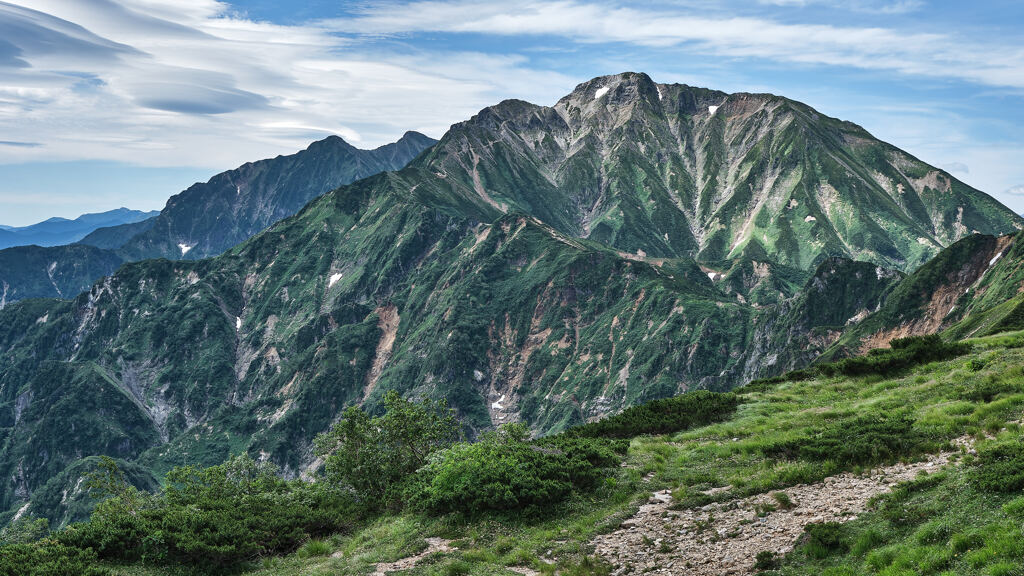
(189,82)
(1017,190)
(937,54)
(866,6)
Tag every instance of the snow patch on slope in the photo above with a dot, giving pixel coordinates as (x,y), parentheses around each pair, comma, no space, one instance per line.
(712,110)
(334,278)
(184,248)
(600,92)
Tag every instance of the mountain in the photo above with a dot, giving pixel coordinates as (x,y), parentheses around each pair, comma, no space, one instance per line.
(671,170)
(208,218)
(113,237)
(54,272)
(57,231)
(229,208)
(543,265)
(973,288)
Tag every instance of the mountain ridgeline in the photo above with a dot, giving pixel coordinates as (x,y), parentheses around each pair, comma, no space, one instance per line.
(204,220)
(209,218)
(60,231)
(538,264)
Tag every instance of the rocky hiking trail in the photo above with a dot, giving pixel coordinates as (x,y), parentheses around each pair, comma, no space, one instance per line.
(725,537)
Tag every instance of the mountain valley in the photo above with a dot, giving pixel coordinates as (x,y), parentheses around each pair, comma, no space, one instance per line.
(548,266)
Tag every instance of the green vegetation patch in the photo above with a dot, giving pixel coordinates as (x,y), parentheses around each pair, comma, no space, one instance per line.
(664,416)
(868,439)
(504,472)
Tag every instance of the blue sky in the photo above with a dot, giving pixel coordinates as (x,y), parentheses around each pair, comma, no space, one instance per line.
(108,103)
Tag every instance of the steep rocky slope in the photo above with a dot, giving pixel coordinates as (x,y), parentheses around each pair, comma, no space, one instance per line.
(972,288)
(208,218)
(670,170)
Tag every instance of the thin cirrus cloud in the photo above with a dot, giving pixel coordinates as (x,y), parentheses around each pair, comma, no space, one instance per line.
(192,82)
(873,48)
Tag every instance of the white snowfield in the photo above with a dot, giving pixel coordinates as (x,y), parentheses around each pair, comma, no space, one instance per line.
(600,92)
(334,278)
(712,110)
(184,248)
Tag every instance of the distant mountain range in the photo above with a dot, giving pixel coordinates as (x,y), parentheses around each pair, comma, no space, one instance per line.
(58,231)
(204,220)
(539,264)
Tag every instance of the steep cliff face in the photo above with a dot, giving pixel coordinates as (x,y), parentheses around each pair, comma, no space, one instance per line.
(208,218)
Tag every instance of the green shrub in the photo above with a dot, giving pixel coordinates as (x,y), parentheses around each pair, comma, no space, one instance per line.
(999,468)
(663,416)
(785,502)
(1015,507)
(824,540)
(505,472)
(903,353)
(216,518)
(375,456)
(25,530)
(765,561)
(986,389)
(48,558)
(314,548)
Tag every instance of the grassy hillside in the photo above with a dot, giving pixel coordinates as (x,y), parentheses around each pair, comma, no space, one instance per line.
(961,514)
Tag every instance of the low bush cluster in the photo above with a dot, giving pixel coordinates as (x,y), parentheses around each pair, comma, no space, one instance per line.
(47,558)
(824,539)
(863,440)
(504,471)
(664,416)
(373,457)
(216,517)
(1000,468)
(903,353)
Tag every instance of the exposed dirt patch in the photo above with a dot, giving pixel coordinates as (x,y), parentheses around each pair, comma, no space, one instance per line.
(943,300)
(434,545)
(387,321)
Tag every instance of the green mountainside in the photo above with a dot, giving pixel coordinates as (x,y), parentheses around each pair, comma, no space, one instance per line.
(539,265)
(897,471)
(672,171)
(113,237)
(56,271)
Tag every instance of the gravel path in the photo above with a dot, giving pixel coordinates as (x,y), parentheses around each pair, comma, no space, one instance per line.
(725,538)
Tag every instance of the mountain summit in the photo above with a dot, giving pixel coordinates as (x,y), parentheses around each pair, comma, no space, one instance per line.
(673,170)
